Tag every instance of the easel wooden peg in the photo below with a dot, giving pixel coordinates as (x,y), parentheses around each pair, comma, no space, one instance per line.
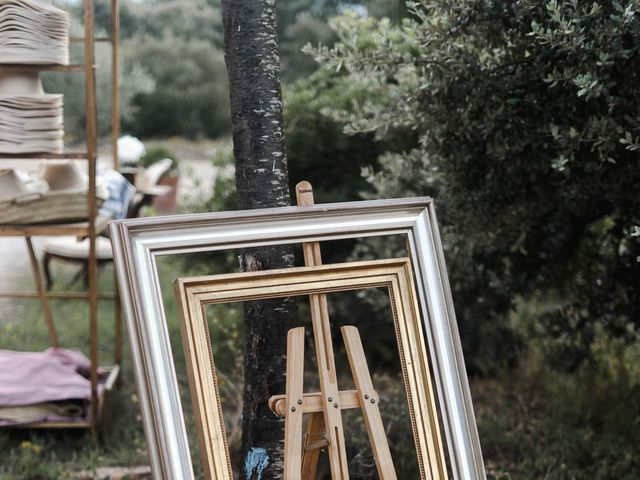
(324,427)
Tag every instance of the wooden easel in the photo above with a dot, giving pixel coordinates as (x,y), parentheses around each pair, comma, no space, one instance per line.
(324,427)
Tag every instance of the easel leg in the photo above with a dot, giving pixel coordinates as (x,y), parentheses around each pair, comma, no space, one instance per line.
(293,413)
(329,387)
(370,410)
(311,453)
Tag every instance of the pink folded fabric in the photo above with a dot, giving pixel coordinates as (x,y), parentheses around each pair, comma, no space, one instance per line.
(28,378)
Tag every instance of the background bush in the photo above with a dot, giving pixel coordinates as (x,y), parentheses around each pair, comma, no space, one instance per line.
(527,135)
(173,77)
(317,148)
(190,95)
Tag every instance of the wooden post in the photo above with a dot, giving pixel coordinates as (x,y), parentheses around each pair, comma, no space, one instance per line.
(115,82)
(90,99)
(115,133)
(42,295)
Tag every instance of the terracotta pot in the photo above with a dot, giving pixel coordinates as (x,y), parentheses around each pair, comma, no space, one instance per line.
(167,202)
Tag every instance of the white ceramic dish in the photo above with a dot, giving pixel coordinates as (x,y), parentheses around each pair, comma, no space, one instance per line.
(33,32)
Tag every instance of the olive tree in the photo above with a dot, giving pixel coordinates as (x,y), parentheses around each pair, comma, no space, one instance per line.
(521,119)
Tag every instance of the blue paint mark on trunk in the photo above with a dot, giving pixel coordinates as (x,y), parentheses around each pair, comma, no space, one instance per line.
(255,463)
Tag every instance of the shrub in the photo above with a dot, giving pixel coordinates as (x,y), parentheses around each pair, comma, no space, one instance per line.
(317,148)
(190,97)
(527,136)
(156,153)
(173,78)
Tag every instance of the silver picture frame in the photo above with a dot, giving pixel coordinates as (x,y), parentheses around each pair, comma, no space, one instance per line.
(138,242)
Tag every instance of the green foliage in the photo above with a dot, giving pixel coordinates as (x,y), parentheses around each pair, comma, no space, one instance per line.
(395,10)
(134,80)
(173,77)
(302,22)
(157,153)
(190,96)
(177,44)
(289,12)
(24,461)
(187,19)
(305,30)
(536,422)
(526,125)
(317,148)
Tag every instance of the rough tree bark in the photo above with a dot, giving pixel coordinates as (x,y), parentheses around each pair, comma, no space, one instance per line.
(253,66)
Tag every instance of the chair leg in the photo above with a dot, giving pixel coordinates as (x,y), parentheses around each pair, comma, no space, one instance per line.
(85,276)
(47,273)
(80,275)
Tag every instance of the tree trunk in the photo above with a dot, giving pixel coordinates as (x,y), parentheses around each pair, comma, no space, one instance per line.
(251,54)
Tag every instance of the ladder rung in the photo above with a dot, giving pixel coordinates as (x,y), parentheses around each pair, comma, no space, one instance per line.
(95,39)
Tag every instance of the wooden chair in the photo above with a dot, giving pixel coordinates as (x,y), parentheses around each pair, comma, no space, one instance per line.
(74,251)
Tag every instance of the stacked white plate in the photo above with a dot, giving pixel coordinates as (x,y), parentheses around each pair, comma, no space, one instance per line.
(30,120)
(33,32)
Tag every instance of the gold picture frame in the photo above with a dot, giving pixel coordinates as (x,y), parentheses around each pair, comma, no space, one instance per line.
(193,294)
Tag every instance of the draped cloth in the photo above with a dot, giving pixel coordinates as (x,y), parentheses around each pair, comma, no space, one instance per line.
(50,385)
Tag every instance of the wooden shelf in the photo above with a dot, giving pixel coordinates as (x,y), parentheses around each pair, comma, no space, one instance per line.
(54,425)
(57,295)
(98,410)
(49,67)
(70,155)
(96,39)
(112,373)
(79,229)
